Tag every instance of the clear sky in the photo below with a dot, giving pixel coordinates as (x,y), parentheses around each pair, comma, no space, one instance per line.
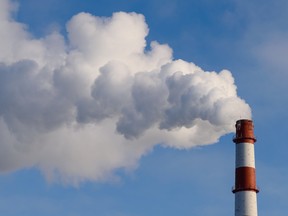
(44,54)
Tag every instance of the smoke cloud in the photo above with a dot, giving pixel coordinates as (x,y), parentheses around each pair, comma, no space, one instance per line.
(82,107)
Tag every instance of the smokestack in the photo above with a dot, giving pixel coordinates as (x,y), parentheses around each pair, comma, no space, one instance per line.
(245,189)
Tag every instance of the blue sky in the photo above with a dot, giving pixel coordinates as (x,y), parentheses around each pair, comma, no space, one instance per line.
(249,38)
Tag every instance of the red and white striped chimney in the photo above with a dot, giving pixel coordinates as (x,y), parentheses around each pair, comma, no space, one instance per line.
(245,188)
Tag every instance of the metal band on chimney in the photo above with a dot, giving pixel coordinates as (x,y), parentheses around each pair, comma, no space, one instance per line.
(245,180)
(244,132)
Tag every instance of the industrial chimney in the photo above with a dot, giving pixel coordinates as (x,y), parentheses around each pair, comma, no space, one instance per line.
(245,188)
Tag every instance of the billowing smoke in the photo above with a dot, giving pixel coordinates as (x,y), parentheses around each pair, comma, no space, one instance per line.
(82,107)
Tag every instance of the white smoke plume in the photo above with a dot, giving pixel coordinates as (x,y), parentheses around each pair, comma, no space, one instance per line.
(82,107)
